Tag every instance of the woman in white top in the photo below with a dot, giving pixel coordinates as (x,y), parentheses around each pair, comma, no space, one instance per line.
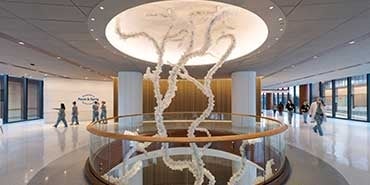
(317,112)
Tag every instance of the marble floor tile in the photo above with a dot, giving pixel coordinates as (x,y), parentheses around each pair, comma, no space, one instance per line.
(27,147)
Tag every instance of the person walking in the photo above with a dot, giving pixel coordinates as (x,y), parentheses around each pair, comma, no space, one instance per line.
(304,110)
(95,111)
(74,114)
(61,116)
(280,108)
(290,107)
(274,108)
(103,113)
(317,112)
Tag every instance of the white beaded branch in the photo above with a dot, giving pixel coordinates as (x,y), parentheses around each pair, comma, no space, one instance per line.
(196,164)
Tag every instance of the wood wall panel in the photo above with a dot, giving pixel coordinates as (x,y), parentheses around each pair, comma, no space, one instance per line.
(188,97)
(269,101)
(115,98)
(258,97)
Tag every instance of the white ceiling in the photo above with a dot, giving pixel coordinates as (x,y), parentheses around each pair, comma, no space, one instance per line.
(55,28)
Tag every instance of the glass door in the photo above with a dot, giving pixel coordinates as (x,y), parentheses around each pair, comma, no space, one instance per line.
(341,101)
(328,97)
(2,97)
(359,98)
(15,99)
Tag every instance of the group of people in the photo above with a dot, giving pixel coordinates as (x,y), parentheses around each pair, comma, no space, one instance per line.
(316,111)
(74,120)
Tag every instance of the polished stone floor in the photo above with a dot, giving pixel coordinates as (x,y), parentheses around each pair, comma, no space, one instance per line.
(345,145)
(28,147)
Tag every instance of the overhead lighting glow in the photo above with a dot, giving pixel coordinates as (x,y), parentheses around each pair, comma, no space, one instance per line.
(59,58)
(280,19)
(91,29)
(271,7)
(101,8)
(352,42)
(315,57)
(96,39)
(281,29)
(277,38)
(249,29)
(21,43)
(92,19)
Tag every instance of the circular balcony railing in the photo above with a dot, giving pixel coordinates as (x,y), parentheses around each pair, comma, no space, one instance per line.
(233,148)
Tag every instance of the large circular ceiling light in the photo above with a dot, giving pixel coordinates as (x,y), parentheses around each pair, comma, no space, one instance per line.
(156,18)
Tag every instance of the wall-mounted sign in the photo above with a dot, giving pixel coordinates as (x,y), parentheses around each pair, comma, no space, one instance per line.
(87,99)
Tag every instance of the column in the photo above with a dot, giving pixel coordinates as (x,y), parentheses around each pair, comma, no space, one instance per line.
(243,98)
(130,97)
(303,94)
(269,101)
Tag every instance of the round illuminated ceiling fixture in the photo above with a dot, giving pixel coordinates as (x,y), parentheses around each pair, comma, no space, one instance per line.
(186,18)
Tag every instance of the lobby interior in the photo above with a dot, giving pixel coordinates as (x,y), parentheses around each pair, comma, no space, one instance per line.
(190,88)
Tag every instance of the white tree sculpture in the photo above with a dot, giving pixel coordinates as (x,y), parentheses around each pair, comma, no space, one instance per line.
(178,70)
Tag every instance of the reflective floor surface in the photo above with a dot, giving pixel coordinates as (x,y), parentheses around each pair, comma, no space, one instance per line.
(345,145)
(28,147)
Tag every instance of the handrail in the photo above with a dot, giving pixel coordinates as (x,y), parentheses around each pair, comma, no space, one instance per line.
(203,139)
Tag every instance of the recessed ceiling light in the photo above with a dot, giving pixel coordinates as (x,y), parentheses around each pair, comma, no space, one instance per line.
(280,19)
(96,39)
(59,58)
(315,57)
(281,29)
(21,43)
(91,29)
(92,19)
(352,42)
(101,8)
(271,7)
